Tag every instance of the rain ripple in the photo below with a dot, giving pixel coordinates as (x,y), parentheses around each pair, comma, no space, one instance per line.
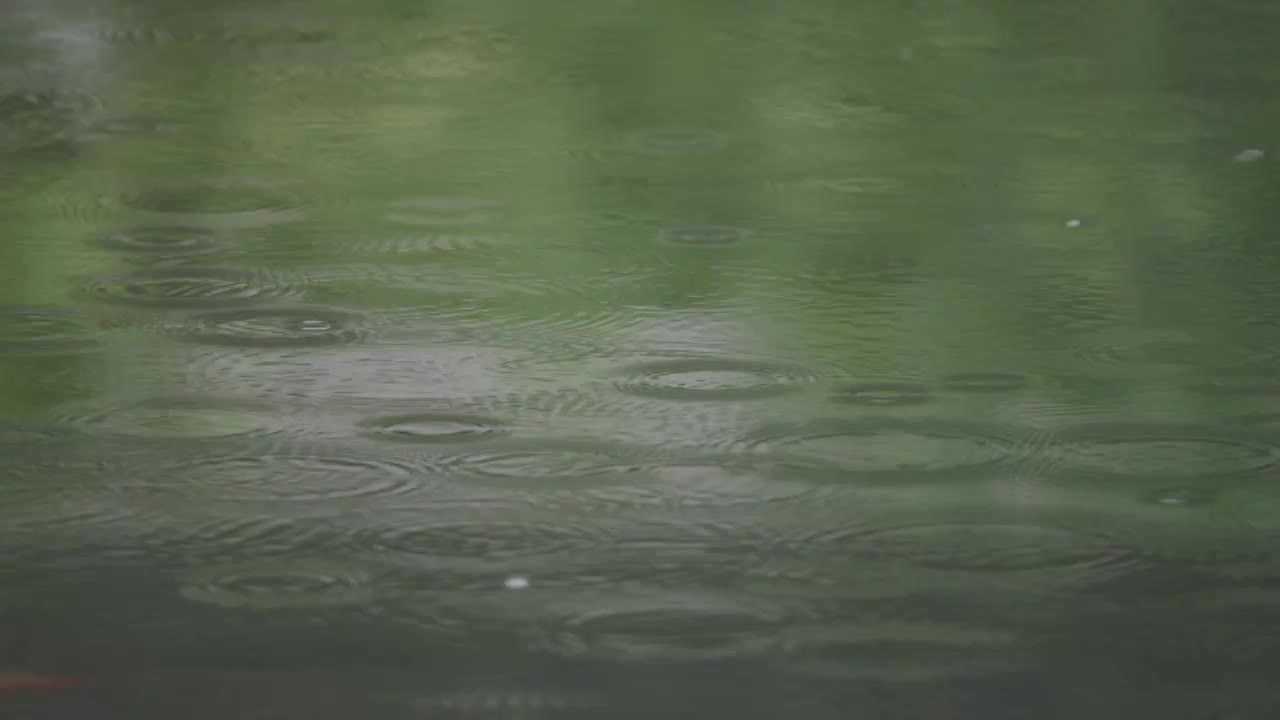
(289,481)
(544,465)
(164,240)
(667,626)
(1050,552)
(29,329)
(228,205)
(295,326)
(278,584)
(1160,452)
(192,287)
(488,536)
(177,418)
(37,119)
(884,394)
(710,378)
(431,428)
(889,450)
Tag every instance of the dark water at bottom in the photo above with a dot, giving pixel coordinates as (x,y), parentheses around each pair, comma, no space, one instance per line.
(477,360)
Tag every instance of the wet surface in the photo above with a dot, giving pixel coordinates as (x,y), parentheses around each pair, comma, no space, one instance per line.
(465,360)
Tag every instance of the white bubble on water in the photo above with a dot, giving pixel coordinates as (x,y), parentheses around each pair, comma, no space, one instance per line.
(516,582)
(1249,155)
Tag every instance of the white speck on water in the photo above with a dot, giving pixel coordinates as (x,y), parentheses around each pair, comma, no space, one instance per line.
(516,582)
(1072,223)
(1250,155)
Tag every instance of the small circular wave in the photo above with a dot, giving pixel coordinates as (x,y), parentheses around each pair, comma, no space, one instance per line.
(190,287)
(662,627)
(487,538)
(985,382)
(501,702)
(216,204)
(1161,452)
(39,330)
(900,651)
(177,417)
(164,240)
(545,465)
(888,450)
(277,327)
(708,481)
(30,120)
(706,236)
(675,141)
(711,379)
(984,547)
(432,427)
(445,211)
(278,584)
(884,394)
(284,479)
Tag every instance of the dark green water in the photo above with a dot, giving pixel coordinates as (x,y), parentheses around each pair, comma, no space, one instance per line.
(499,359)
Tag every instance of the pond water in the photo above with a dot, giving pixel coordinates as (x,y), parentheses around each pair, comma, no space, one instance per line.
(496,359)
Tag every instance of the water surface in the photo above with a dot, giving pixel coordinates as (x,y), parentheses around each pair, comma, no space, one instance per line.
(478,359)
